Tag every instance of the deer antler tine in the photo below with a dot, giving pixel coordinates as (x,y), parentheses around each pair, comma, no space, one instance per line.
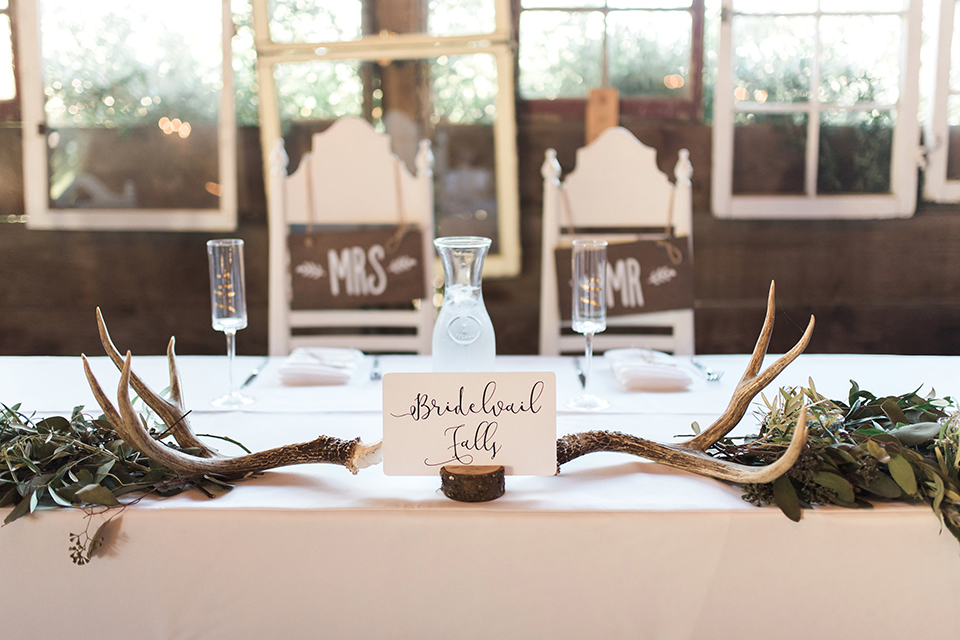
(753,381)
(747,389)
(108,409)
(133,432)
(763,341)
(172,413)
(175,386)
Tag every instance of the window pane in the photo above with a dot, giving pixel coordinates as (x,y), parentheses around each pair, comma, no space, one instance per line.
(766,6)
(460,17)
(131,103)
(768,153)
(318,90)
(315,20)
(864,6)
(346,20)
(649,52)
(8,87)
(860,59)
(464,89)
(450,100)
(955,53)
(560,53)
(649,4)
(953,143)
(772,58)
(855,148)
(560,4)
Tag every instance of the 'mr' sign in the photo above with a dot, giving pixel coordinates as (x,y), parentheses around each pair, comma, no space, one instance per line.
(642,276)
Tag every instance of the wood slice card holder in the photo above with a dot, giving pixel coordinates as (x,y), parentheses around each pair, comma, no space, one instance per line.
(480,483)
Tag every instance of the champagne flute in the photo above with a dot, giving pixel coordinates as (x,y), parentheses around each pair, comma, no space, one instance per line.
(589,309)
(228,305)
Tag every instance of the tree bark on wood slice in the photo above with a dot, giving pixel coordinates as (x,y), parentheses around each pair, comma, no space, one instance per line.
(480,483)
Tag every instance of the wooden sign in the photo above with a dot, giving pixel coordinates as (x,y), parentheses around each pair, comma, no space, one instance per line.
(432,420)
(603,112)
(357,268)
(642,277)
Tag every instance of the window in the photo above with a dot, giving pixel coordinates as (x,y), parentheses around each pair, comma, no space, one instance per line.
(816,109)
(130,122)
(8,83)
(435,69)
(651,51)
(942,126)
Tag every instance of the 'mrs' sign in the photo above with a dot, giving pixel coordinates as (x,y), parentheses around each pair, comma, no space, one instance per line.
(373,266)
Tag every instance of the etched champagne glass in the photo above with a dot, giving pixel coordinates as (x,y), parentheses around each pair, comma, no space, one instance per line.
(228,306)
(589,309)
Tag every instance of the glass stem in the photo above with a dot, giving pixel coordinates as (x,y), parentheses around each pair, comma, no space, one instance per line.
(231,354)
(587,358)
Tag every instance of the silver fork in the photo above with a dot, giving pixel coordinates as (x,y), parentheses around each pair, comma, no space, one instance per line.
(712,376)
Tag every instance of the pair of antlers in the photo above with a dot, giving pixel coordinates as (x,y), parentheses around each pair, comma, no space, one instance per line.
(353,454)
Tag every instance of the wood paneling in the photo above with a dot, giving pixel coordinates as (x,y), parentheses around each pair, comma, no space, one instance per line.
(875,286)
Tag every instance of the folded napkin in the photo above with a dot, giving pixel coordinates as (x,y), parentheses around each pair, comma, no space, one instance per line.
(319,366)
(646,370)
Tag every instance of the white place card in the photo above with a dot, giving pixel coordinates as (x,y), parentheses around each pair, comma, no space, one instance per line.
(431,420)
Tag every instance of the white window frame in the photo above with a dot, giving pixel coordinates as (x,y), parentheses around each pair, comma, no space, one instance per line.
(906,152)
(35,171)
(936,186)
(409,46)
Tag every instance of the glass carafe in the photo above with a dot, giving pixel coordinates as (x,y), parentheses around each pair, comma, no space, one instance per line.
(463,337)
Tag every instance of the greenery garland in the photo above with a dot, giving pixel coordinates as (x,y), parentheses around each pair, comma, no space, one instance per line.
(81,462)
(866,449)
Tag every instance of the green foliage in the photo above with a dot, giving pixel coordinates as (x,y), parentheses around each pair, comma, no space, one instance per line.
(79,462)
(861,451)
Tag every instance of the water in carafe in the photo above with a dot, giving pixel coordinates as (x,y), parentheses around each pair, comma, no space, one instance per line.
(463,337)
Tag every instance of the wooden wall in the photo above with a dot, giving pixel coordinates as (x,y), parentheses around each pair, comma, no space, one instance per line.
(890,286)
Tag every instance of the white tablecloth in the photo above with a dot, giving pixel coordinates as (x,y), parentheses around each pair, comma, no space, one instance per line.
(612,547)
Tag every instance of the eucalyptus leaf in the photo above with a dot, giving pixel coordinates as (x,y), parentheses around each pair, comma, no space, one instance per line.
(33,500)
(893,411)
(938,494)
(56,498)
(22,509)
(829,480)
(884,486)
(8,497)
(785,496)
(913,435)
(97,494)
(902,473)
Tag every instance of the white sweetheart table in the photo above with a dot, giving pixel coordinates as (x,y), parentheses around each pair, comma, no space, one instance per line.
(613,547)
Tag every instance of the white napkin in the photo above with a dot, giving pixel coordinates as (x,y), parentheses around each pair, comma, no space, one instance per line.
(647,370)
(319,366)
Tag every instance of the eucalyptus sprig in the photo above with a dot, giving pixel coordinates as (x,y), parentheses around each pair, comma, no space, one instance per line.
(80,462)
(861,450)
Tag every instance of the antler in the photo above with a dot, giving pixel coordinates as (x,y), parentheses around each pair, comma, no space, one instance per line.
(690,455)
(352,454)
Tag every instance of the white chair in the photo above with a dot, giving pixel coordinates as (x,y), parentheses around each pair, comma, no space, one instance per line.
(615,192)
(350,177)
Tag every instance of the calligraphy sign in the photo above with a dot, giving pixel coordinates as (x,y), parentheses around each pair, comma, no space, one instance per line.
(642,276)
(357,268)
(435,419)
